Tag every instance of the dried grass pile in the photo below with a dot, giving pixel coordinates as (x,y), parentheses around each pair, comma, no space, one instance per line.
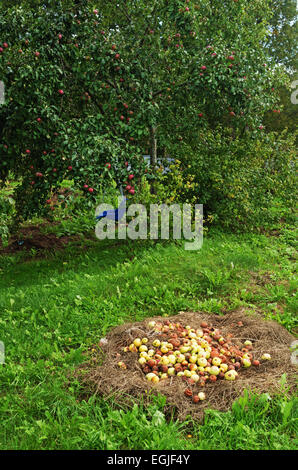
(130,385)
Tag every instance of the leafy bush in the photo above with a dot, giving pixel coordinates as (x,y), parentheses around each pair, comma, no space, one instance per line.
(240,178)
(171,185)
(6,212)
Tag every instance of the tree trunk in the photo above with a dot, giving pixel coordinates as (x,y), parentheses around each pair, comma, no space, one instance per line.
(153,141)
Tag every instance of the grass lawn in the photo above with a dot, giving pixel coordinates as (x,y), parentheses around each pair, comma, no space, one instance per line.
(55,308)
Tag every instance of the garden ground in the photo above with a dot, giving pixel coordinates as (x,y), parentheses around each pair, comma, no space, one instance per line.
(55,306)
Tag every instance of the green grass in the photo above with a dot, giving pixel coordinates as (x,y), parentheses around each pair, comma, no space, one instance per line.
(54,309)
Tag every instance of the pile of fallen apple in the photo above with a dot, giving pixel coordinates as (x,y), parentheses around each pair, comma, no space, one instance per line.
(197,356)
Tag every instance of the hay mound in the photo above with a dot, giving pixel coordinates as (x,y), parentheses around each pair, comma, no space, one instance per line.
(130,385)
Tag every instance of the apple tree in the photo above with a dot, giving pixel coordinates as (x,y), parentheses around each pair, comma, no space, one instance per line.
(89,88)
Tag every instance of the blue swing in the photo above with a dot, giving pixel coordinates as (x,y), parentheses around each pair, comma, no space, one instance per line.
(115,214)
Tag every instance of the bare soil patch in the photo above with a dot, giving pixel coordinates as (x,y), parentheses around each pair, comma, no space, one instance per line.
(32,237)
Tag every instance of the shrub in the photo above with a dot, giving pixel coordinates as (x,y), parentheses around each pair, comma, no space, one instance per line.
(6,212)
(240,178)
(171,185)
